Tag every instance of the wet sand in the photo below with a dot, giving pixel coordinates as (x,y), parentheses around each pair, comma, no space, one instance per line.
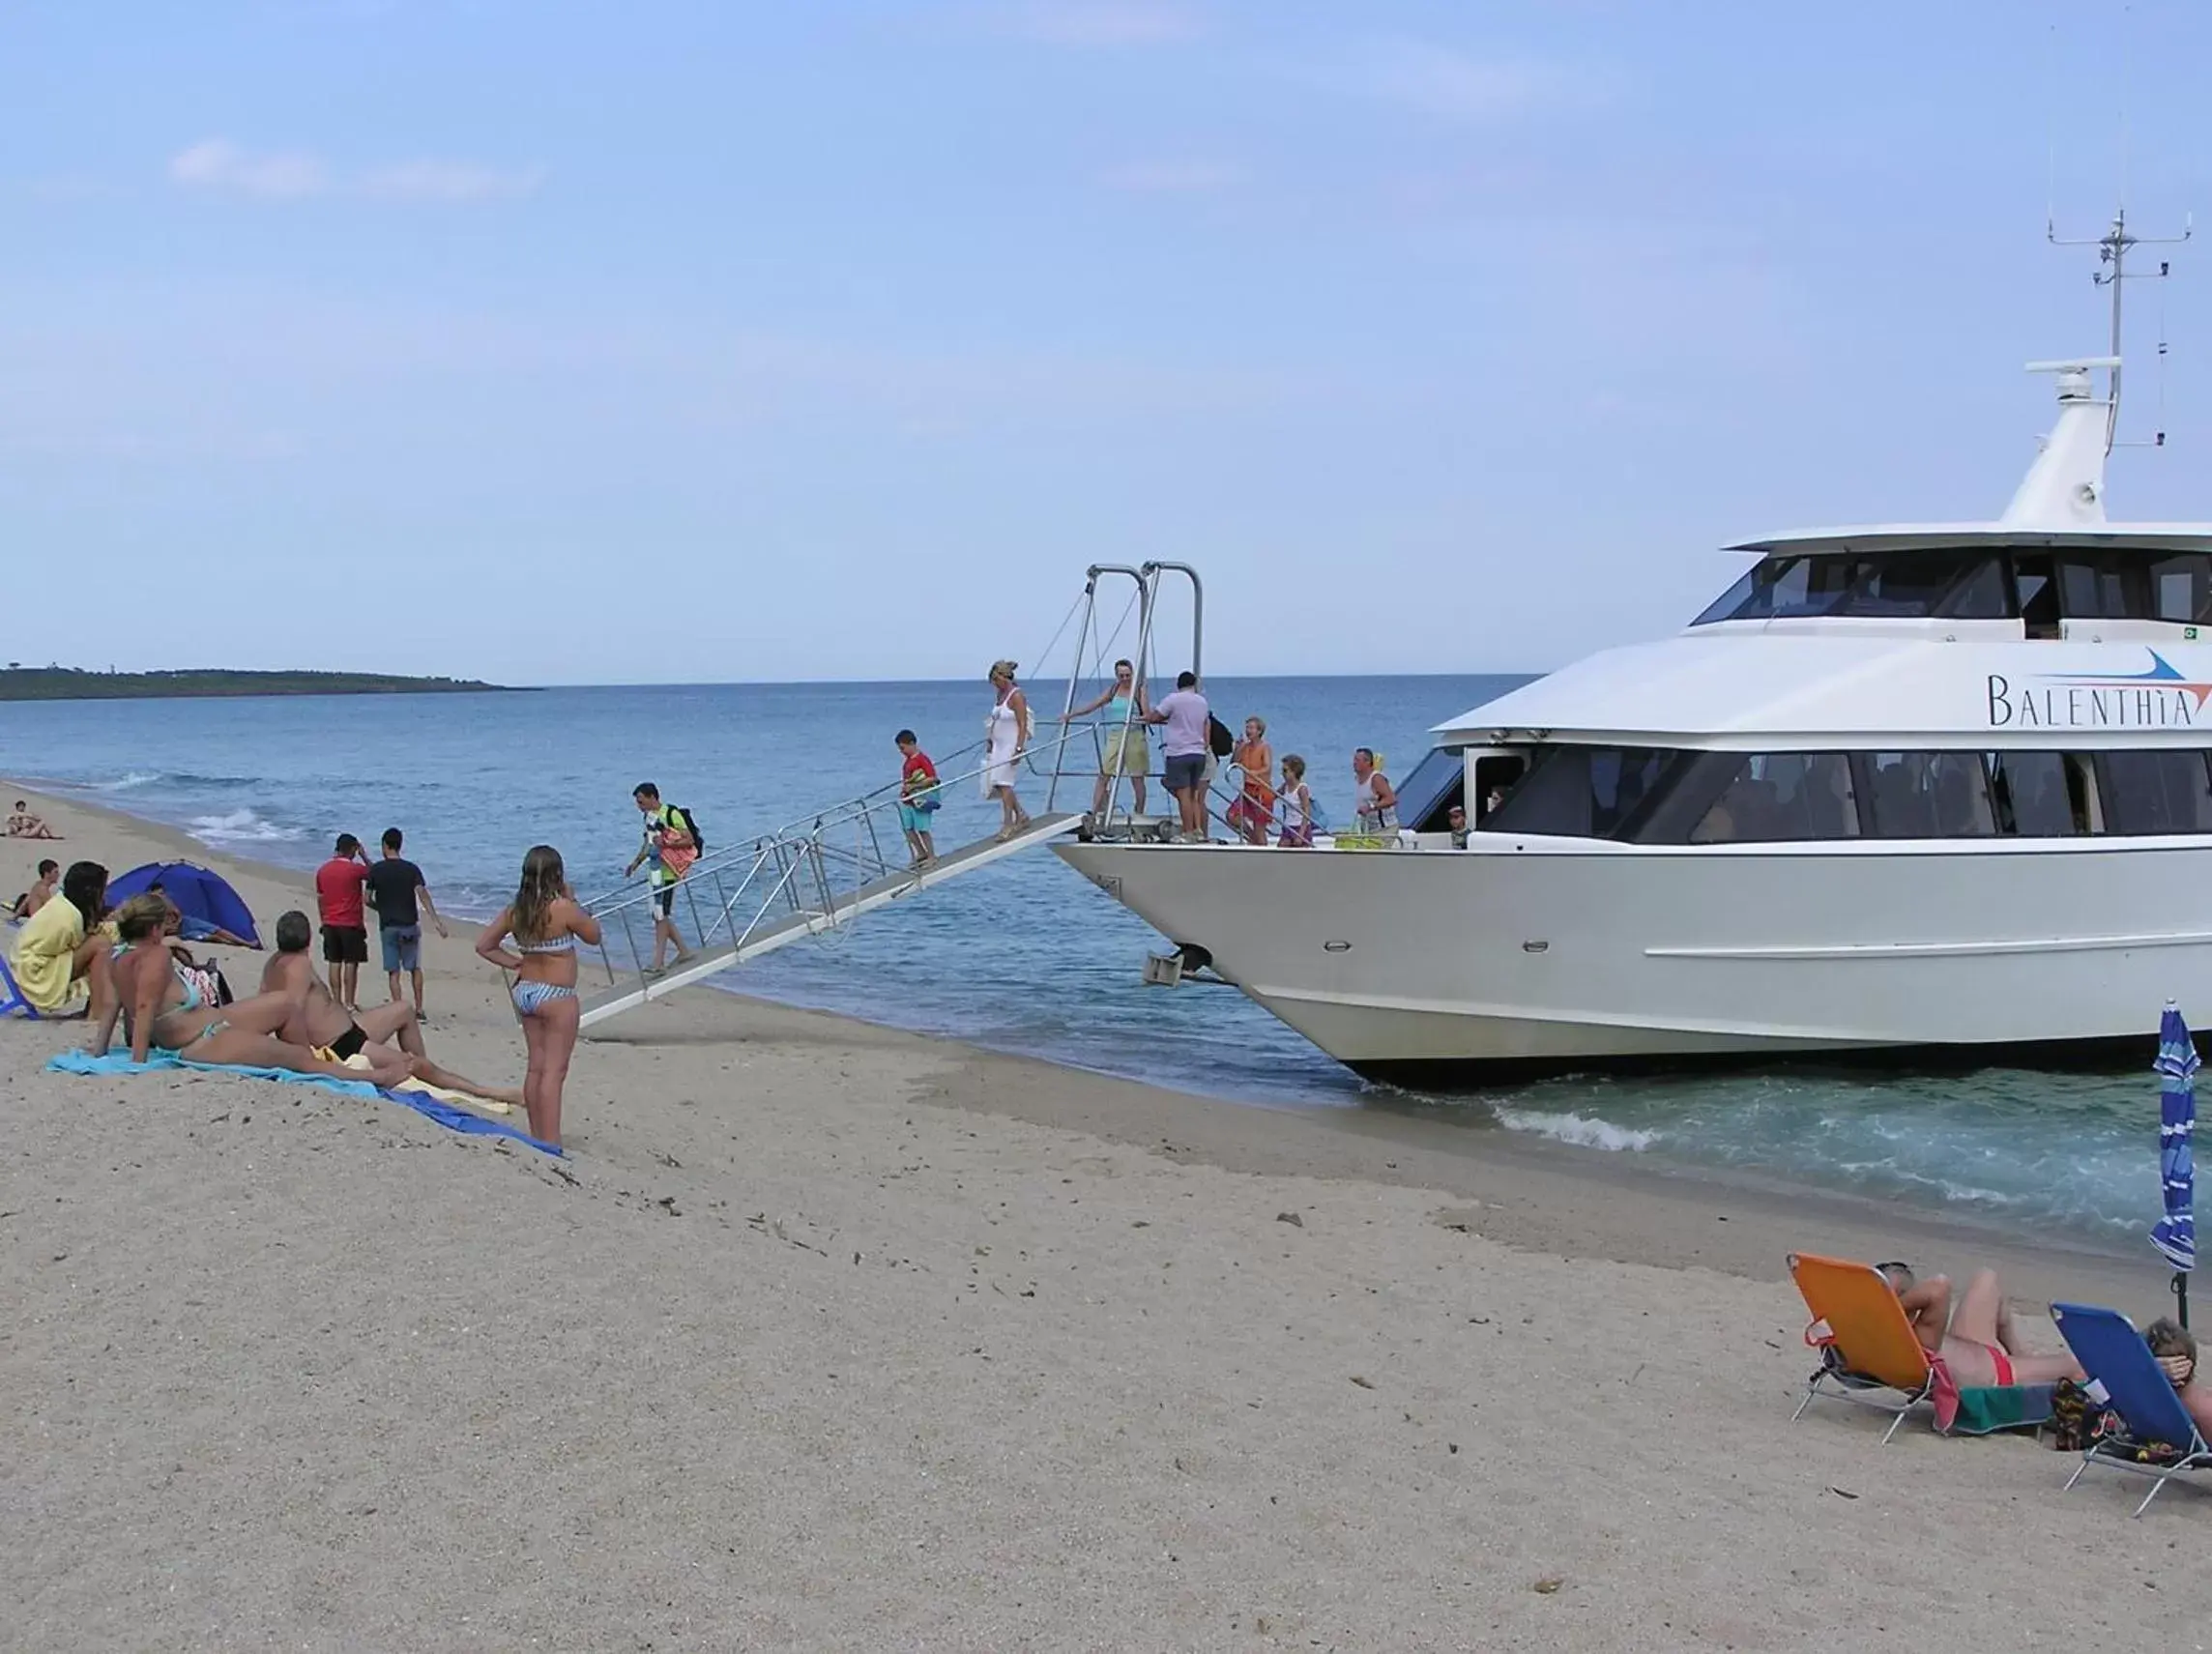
(830,1336)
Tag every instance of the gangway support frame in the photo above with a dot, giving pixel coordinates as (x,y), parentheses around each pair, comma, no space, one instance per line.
(803,918)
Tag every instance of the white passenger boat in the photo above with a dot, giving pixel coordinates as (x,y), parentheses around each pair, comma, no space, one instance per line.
(1905,787)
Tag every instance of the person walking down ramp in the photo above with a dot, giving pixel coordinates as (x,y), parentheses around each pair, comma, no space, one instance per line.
(919,798)
(1006,736)
(400,898)
(671,845)
(544,922)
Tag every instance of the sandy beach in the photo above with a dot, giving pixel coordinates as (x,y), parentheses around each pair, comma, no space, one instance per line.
(824,1336)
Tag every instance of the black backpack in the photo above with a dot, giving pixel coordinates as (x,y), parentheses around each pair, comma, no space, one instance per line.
(679,816)
(1219,737)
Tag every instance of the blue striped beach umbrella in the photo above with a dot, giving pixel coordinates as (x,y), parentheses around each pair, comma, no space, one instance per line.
(2175,1234)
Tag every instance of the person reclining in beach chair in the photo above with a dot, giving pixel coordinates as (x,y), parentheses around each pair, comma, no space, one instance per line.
(1976,1336)
(2158,1431)
(392,1032)
(2175,1348)
(1880,1330)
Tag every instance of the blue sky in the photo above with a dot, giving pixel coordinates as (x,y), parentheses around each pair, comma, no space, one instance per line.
(701,342)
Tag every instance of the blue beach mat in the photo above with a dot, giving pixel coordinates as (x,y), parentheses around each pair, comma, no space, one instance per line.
(445,1113)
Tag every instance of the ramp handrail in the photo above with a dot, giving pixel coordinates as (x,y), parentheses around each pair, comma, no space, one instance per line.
(814,866)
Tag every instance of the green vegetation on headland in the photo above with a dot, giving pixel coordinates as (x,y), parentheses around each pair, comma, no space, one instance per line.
(72,683)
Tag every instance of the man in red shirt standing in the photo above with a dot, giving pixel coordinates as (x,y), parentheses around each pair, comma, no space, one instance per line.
(345,925)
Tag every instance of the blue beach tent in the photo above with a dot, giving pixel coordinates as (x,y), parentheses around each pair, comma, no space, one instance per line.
(200,895)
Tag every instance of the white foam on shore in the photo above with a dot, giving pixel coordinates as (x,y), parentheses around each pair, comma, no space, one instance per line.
(124,784)
(1583,1131)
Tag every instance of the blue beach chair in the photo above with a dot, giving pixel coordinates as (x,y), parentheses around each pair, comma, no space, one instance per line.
(2125,1379)
(11,997)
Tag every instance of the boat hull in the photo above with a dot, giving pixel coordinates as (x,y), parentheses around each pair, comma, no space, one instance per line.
(1532,956)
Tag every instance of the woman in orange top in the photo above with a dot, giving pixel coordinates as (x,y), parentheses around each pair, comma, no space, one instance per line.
(1254,810)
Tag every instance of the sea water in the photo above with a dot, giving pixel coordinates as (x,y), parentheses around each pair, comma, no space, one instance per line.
(1025,955)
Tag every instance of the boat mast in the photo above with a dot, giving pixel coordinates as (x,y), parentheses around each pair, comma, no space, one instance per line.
(2113,250)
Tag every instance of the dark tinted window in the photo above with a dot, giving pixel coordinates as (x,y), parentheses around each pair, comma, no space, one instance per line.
(2182,588)
(1961,584)
(1784,587)
(1581,791)
(1436,784)
(1621,779)
(2035,795)
(2102,586)
(2155,791)
(1967,585)
(1782,796)
(1927,795)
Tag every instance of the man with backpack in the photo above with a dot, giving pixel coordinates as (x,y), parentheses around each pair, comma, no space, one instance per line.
(672,843)
(1187,743)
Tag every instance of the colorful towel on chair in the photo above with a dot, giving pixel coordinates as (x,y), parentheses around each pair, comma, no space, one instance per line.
(445,1113)
(1986,1409)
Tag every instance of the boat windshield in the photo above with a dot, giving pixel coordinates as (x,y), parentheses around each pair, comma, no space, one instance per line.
(1425,798)
(1957,584)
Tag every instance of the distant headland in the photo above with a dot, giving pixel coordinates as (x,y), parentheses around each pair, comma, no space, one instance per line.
(75,683)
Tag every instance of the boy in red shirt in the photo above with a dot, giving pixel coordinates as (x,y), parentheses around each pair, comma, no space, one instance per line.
(918,799)
(345,925)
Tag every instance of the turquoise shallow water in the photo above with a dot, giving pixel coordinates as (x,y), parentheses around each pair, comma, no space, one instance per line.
(1026,956)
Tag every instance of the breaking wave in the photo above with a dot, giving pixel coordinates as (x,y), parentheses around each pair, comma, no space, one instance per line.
(240,826)
(1583,1131)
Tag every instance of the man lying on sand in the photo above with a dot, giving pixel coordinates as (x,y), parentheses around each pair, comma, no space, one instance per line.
(1977,1339)
(388,1033)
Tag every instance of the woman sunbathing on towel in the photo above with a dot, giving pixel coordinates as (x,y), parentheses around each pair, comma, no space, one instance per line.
(1977,1339)
(170,1006)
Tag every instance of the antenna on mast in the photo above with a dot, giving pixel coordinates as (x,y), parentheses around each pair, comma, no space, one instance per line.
(2113,250)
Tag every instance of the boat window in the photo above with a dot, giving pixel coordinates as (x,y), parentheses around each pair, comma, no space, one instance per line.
(2036,590)
(1965,585)
(2155,791)
(1427,795)
(1494,778)
(1583,792)
(2035,795)
(1961,584)
(1621,779)
(2182,588)
(1774,585)
(1777,795)
(1927,795)
(2102,586)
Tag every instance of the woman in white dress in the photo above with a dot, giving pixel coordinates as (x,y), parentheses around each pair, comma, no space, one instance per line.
(1007,737)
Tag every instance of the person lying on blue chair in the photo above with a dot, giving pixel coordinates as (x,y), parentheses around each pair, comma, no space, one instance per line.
(2175,1348)
(1975,1336)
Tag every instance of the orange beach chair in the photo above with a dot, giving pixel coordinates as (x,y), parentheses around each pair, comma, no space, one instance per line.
(1870,1354)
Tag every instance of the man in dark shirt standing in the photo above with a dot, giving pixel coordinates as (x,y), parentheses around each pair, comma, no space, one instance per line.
(400,898)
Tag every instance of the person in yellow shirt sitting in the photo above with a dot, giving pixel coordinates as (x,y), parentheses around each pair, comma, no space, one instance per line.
(60,960)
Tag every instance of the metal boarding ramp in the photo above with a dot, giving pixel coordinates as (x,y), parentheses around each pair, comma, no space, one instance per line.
(800,881)
(816,874)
